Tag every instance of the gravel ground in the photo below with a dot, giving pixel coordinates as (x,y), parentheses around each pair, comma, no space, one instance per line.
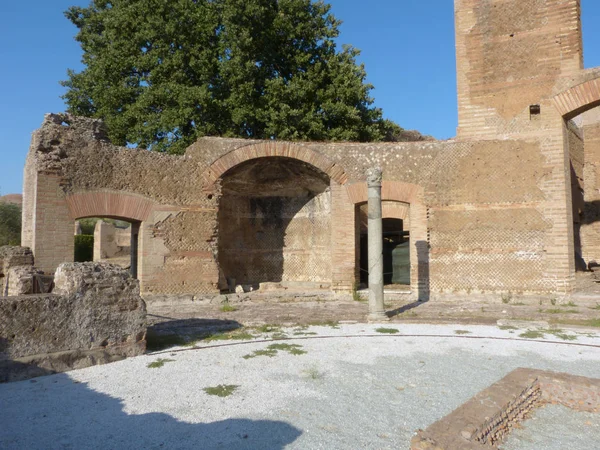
(555,427)
(353,389)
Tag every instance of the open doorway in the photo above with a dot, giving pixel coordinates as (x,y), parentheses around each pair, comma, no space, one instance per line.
(109,240)
(396,246)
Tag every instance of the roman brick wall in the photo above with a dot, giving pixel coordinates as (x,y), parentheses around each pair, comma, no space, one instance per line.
(491,211)
(476,209)
(512,54)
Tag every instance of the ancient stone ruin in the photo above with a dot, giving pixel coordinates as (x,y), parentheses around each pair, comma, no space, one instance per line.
(509,205)
(93,315)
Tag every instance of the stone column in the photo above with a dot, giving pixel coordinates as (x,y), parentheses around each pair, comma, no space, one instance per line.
(376,307)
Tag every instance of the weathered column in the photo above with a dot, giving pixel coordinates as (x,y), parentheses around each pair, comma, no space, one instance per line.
(376,307)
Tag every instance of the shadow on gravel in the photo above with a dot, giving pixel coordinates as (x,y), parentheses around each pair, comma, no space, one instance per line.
(171,333)
(58,412)
(403,309)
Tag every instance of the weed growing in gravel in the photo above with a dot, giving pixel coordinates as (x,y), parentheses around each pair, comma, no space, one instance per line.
(541,334)
(355,295)
(327,323)
(561,335)
(553,301)
(532,334)
(279,336)
(266,328)
(571,303)
(592,323)
(387,330)
(561,311)
(273,349)
(232,336)
(222,390)
(506,297)
(159,363)
(507,327)
(313,373)
(304,333)
(226,307)
(461,332)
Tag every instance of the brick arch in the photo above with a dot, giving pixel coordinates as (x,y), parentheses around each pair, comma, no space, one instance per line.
(397,191)
(109,204)
(275,149)
(578,99)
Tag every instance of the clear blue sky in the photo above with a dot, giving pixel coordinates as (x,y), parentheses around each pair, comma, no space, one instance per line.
(407,47)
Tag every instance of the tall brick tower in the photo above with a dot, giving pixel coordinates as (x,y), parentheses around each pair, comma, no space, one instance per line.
(511,56)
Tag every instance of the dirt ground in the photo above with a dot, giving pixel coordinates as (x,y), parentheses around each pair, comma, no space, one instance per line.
(190,316)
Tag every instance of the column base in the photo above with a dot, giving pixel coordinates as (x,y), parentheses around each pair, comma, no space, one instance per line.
(377,317)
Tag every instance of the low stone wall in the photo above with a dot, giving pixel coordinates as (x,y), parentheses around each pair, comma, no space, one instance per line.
(95,315)
(11,258)
(485,420)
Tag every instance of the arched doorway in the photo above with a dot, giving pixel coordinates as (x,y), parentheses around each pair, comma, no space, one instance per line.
(579,107)
(396,244)
(275,225)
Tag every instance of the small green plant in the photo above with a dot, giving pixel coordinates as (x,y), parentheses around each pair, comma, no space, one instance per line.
(571,303)
(313,373)
(507,327)
(553,301)
(532,334)
(159,363)
(387,330)
(326,323)
(537,334)
(355,295)
(561,311)
(506,297)
(593,323)
(273,349)
(231,336)
(227,307)
(222,390)
(462,332)
(266,328)
(562,335)
(597,307)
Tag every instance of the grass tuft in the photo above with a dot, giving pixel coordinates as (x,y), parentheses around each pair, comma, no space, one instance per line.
(231,336)
(507,327)
(159,363)
(273,349)
(532,334)
(461,332)
(387,330)
(222,390)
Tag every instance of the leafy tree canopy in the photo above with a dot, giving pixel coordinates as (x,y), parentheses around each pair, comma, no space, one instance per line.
(162,73)
(10,224)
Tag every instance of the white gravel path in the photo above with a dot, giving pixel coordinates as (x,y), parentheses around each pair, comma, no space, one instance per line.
(346,392)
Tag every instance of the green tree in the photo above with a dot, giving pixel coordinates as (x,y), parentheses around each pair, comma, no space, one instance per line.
(162,73)
(10,224)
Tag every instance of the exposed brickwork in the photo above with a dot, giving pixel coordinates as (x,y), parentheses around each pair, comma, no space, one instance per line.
(491,211)
(486,419)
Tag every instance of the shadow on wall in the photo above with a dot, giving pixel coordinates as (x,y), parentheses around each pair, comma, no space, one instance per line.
(273,211)
(59,412)
(423,270)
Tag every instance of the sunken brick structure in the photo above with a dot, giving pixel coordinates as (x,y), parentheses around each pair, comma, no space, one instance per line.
(510,204)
